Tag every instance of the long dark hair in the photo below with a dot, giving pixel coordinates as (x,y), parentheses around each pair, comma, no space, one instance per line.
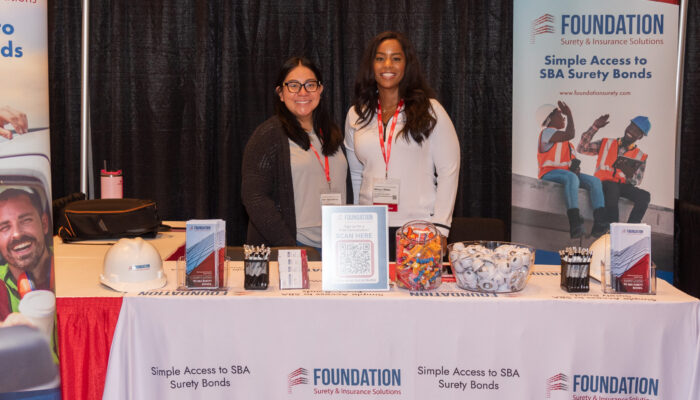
(327,131)
(413,89)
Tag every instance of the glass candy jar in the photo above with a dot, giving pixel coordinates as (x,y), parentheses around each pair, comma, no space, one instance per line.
(418,256)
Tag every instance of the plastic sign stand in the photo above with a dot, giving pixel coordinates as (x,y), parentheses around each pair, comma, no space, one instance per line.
(355,248)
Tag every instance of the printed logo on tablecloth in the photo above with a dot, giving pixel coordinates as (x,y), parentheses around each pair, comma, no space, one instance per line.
(347,381)
(557,382)
(297,377)
(542,25)
(590,386)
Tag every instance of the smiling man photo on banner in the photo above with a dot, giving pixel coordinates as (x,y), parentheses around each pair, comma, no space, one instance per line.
(557,162)
(26,255)
(620,166)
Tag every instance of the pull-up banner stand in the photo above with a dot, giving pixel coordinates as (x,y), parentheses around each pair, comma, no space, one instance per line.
(594,120)
(28,358)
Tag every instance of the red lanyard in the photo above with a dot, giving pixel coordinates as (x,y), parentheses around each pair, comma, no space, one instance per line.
(326,168)
(380,125)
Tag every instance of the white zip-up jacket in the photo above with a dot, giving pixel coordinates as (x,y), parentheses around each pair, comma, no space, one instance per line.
(422,194)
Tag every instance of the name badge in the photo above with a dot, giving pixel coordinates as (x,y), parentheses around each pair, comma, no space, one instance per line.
(331,199)
(386,192)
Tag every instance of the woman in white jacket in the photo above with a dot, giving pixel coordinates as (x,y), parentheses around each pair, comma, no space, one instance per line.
(402,147)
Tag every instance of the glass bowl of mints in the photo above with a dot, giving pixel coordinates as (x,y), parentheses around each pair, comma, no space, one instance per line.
(491,266)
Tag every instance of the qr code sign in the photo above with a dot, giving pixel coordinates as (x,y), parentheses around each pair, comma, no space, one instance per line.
(354,259)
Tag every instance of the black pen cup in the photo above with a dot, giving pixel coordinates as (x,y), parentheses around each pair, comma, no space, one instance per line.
(575,276)
(257,274)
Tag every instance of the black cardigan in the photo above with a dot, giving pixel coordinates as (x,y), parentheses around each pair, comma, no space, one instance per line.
(266,187)
(267,190)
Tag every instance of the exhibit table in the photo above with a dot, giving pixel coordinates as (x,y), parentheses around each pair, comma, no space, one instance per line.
(87,312)
(448,343)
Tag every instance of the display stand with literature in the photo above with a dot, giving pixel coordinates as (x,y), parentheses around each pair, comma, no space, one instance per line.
(355,248)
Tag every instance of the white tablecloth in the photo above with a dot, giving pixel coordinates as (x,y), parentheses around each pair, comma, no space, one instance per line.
(447,344)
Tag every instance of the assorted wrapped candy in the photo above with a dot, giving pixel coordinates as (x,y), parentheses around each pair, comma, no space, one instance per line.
(491,266)
(418,256)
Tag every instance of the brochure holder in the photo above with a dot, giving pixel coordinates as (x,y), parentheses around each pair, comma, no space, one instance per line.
(612,286)
(205,253)
(628,267)
(181,272)
(293,269)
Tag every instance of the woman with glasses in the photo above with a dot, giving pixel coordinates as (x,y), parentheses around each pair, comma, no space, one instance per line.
(293,162)
(401,145)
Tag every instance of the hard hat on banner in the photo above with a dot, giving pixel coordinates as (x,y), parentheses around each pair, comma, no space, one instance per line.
(133,265)
(543,112)
(642,123)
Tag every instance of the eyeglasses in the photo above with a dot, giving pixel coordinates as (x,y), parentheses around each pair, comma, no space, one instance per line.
(295,86)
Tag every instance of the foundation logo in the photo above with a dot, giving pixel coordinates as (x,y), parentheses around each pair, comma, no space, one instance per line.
(588,386)
(557,382)
(542,25)
(346,381)
(297,377)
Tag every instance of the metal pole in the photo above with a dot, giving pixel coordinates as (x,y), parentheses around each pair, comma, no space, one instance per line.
(679,88)
(85,101)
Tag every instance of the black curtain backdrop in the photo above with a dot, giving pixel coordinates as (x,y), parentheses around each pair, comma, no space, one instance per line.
(178,86)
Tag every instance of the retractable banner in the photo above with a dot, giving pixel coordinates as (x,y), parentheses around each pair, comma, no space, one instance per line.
(27,300)
(594,120)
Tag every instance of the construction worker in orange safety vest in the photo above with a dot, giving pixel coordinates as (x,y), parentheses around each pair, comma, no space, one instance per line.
(620,166)
(556,162)
(605,169)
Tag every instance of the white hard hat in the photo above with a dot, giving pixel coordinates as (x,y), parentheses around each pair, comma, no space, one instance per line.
(133,265)
(600,250)
(543,112)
